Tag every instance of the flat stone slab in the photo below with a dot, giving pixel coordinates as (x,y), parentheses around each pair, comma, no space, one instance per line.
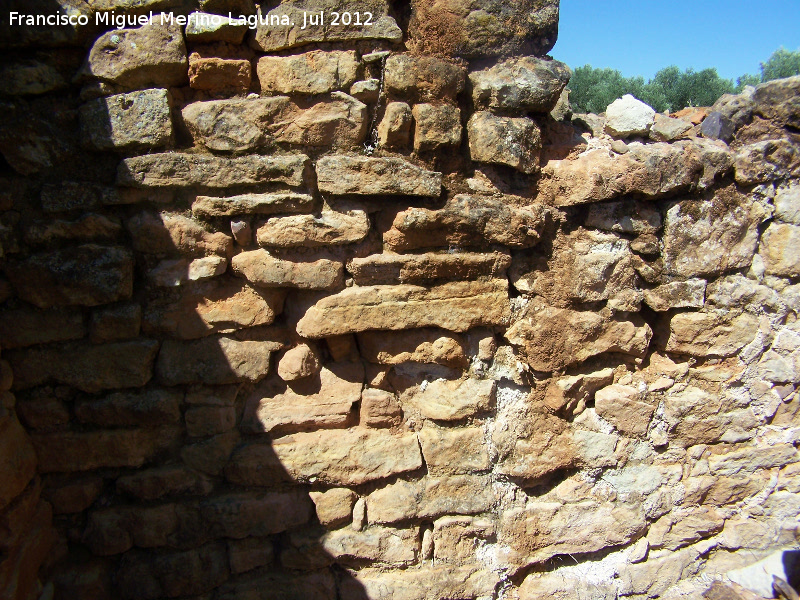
(376,176)
(252,204)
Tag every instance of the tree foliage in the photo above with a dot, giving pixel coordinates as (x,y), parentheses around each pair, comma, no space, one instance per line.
(592,90)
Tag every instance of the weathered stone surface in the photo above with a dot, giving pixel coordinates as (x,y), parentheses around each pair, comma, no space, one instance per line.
(334,506)
(456,306)
(651,170)
(211,455)
(263,270)
(174,170)
(380,544)
(717,126)
(127,122)
(467,221)
(19,462)
(380,409)
(330,227)
(678,294)
(206,27)
(85,451)
(710,333)
(476,28)
(174,273)
(444,400)
(430,498)
(153,55)
(766,161)
(85,275)
(395,126)
(169,480)
(436,126)
(284,24)
(622,406)
(544,529)
(90,227)
(628,116)
(360,175)
(315,72)
(515,142)
(347,456)
(423,78)
(779,250)
(248,124)
(552,338)
(366,91)
(571,393)
(666,129)
(787,204)
(778,101)
(454,451)
(626,216)
(28,327)
(29,76)
(456,539)
(247,204)
(90,368)
(213,360)
(524,84)
(208,308)
(249,553)
(146,407)
(422,268)
(324,401)
(203,421)
(747,461)
(413,345)
(219,74)
(709,237)
(299,362)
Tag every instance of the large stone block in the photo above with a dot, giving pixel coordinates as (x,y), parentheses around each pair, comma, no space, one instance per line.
(360,175)
(172,233)
(88,367)
(778,101)
(424,268)
(146,408)
(454,451)
(219,75)
(247,204)
(423,78)
(456,306)
(29,327)
(263,270)
(431,346)
(628,116)
(525,84)
(467,221)
(779,250)
(87,228)
(176,170)
(515,142)
(206,27)
(436,126)
(483,28)
(329,228)
(85,275)
(710,333)
(136,121)
(153,55)
(767,160)
(315,72)
(443,400)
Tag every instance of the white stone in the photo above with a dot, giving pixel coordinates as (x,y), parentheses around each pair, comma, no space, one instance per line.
(628,116)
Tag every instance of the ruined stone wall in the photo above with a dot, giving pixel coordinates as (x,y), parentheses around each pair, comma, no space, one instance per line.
(344,312)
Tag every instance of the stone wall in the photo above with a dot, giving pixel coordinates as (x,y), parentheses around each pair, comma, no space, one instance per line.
(366,313)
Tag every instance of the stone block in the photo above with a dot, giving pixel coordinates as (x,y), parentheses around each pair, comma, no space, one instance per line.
(170,233)
(329,228)
(395,126)
(515,142)
(142,407)
(436,126)
(358,175)
(263,270)
(133,122)
(454,451)
(315,72)
(443,400)
(214,74)
(524,84)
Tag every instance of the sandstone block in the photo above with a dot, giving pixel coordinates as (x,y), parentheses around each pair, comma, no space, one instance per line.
(339,174)
(246,204)
(444,400)
(119,322)
(290,34)
(170,480)
(628,116)
(348,456)
(299,362)
(423,268)
(176,170)
(88,367)
(454,451)
(366,91)
(436,126)
(395,126)
(766,161)
(219,74)
(249,553)
(667,129)
(315,72)
(146,408)
(626,216)
(431,346)
(334,506)
(169,233)
(210,308)
(323,401)
(28,327)
(467,221)
(456,306)
(75,496)
(747,461)
(386,545)
(524,84)
(380,409)
(787,204)
(263,270)
(709,237)
(88,228)
(203,421)
(283,584)
(515,142)
(330,227)
(153,55)
(777,101)
(127,122)
(19,462)
(678,294)
(456,539)
(553,338)
(709,333)
(211,455)
(684,527)
(85,451)
(85,275)
(244,514)
(623,407)
(205,27)
(423,78)
(175,273)
(214,360)
(778,248)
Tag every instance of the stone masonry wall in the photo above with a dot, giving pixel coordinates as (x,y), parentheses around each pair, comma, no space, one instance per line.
(365,312)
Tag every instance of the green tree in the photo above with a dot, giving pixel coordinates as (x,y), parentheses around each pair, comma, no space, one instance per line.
(745,80)
(782,63)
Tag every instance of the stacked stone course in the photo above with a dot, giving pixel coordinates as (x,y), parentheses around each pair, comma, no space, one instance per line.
(364,313)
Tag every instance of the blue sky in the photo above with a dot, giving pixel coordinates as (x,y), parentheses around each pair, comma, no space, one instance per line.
(639,37)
